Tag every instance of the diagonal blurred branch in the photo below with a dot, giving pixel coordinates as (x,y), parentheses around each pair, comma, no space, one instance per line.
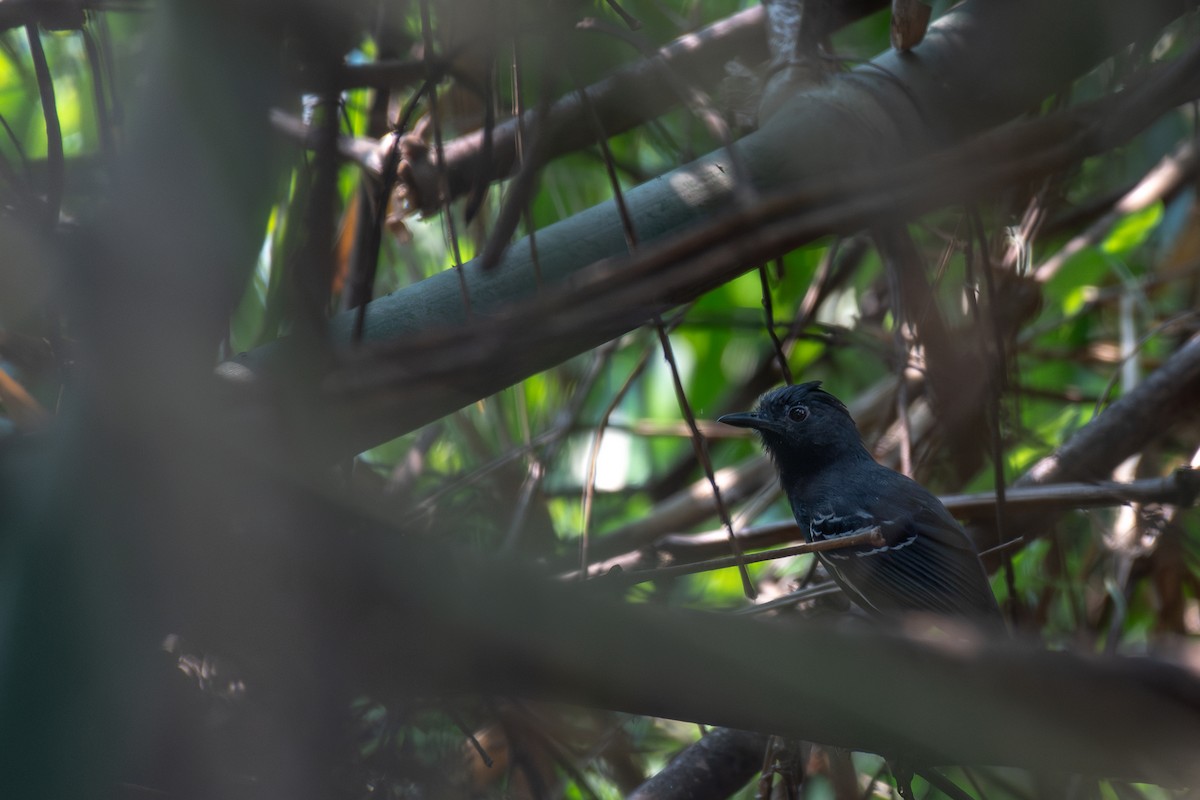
(406,627)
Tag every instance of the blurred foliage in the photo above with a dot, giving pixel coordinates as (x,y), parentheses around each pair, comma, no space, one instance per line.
(463,476)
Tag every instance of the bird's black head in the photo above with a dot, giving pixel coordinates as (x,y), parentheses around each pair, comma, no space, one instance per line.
(803,427)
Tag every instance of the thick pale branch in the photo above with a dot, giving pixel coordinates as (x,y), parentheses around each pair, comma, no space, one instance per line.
(979,65)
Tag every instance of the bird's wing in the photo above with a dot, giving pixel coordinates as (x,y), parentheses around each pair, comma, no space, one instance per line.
(927,563)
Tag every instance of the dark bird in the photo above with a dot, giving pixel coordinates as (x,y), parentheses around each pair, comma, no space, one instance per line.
(927,562)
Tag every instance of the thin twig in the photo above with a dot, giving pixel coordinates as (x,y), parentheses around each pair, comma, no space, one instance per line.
(475,743)
(519,115)
(553,440)
(440,151)
(99,101)
(1163,179)
(479,193)
(699,443)
(871,538)
(1171,322)
(900,346)
(943,784)
(769,319)
(55,169)
(519,197)
(825,589)
(629,19)
(997,377)
(366,260)
(589,481)
(696,101)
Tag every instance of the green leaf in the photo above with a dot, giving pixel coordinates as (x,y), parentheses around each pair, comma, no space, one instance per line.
(1133,230)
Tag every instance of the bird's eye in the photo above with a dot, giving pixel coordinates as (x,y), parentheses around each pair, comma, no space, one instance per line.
(798,413)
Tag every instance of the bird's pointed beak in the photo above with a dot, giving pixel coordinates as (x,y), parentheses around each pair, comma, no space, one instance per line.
(750,419)
(743,419)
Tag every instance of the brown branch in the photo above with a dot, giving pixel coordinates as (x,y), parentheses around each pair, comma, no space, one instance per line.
(1165,398)
(1163,180)
(629,97)
(1125,427)
(23,409)
(954,380)
(1181,488)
